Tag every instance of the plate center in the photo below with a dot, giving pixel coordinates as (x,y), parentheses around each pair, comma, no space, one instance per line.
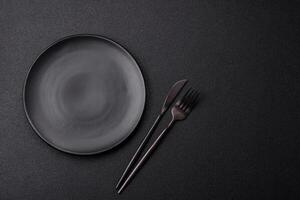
(82,98)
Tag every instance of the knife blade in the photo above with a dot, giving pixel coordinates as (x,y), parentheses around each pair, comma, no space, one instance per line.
(172,94)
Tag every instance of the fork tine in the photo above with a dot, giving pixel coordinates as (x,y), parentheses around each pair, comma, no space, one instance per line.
(183,99)
(186,94)
(190,100)
(195,101)
(187,98)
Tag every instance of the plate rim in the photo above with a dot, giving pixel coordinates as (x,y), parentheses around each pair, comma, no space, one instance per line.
(42,53)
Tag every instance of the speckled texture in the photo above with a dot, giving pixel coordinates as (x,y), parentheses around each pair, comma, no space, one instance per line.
(242,141)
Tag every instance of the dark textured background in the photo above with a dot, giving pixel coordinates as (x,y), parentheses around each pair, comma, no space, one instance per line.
(243,140)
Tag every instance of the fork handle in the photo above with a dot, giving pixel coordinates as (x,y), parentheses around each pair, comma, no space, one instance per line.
(140,149)
(146,155)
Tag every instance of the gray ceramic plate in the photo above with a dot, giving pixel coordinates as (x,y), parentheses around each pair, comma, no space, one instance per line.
(85,94)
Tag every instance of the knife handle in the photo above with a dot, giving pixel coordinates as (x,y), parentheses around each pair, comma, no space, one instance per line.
(140,149)
(146,156)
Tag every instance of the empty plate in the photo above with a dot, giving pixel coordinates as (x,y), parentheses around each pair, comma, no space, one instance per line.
(85,94)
